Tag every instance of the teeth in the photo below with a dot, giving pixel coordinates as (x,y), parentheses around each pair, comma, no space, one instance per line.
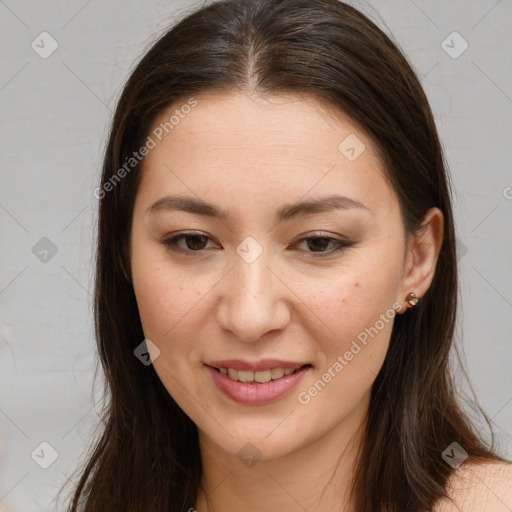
(245,376)
(233,374)
(277,373)
(261,376)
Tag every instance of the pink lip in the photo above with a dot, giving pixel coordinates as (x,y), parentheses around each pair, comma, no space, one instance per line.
(254,393)
(264,364)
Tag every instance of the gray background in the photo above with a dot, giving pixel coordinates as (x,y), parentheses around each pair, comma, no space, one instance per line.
(55,114)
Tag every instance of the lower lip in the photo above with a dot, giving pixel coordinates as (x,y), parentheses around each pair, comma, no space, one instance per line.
(254,393)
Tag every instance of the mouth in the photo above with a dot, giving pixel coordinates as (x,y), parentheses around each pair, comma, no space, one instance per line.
(257,387)
(259,376)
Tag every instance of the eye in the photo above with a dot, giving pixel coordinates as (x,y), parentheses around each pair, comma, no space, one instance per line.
(319,244)
(194,242)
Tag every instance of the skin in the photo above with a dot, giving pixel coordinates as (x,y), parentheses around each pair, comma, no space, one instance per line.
(297,301)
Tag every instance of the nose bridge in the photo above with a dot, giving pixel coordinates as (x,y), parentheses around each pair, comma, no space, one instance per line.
(252,302)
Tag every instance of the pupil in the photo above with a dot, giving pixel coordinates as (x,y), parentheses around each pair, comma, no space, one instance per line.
(321,245)
(195,239)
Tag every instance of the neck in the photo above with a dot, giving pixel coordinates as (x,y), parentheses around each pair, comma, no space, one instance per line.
(316,477)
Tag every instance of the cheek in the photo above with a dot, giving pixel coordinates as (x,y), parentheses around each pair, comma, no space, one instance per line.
(166,306)
(165,298)
(350,301)
(357,315)
(357,319)
(170,313)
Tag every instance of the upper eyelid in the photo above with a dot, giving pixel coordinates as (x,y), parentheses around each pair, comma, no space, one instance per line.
(307,234)
(337,239)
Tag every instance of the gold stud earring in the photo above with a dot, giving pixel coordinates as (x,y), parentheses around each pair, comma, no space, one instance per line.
(411,300)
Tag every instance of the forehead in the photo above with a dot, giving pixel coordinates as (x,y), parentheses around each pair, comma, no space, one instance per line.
(291,142)
(241,121)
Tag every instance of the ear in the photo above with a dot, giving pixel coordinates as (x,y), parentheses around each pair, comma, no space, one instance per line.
(421,258)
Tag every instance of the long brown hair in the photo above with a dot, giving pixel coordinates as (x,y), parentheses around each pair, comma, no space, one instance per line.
(147,457)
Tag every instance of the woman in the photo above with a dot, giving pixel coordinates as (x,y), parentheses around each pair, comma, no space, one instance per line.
(276,282)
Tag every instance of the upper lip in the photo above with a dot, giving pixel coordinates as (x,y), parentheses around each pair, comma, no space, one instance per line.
(263,364)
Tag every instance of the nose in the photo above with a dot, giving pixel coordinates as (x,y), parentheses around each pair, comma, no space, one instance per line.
(255,300)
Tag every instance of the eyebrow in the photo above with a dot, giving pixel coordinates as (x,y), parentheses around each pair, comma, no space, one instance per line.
(286,212)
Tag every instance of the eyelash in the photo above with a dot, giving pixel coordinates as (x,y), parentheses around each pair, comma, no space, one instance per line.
(172,244)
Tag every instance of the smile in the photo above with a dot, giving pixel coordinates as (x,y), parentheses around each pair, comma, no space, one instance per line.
(259,376)
(256,387)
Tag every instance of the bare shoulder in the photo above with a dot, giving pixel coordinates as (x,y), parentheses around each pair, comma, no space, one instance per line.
(476,487)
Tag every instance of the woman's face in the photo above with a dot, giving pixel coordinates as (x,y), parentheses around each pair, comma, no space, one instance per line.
(243,286)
